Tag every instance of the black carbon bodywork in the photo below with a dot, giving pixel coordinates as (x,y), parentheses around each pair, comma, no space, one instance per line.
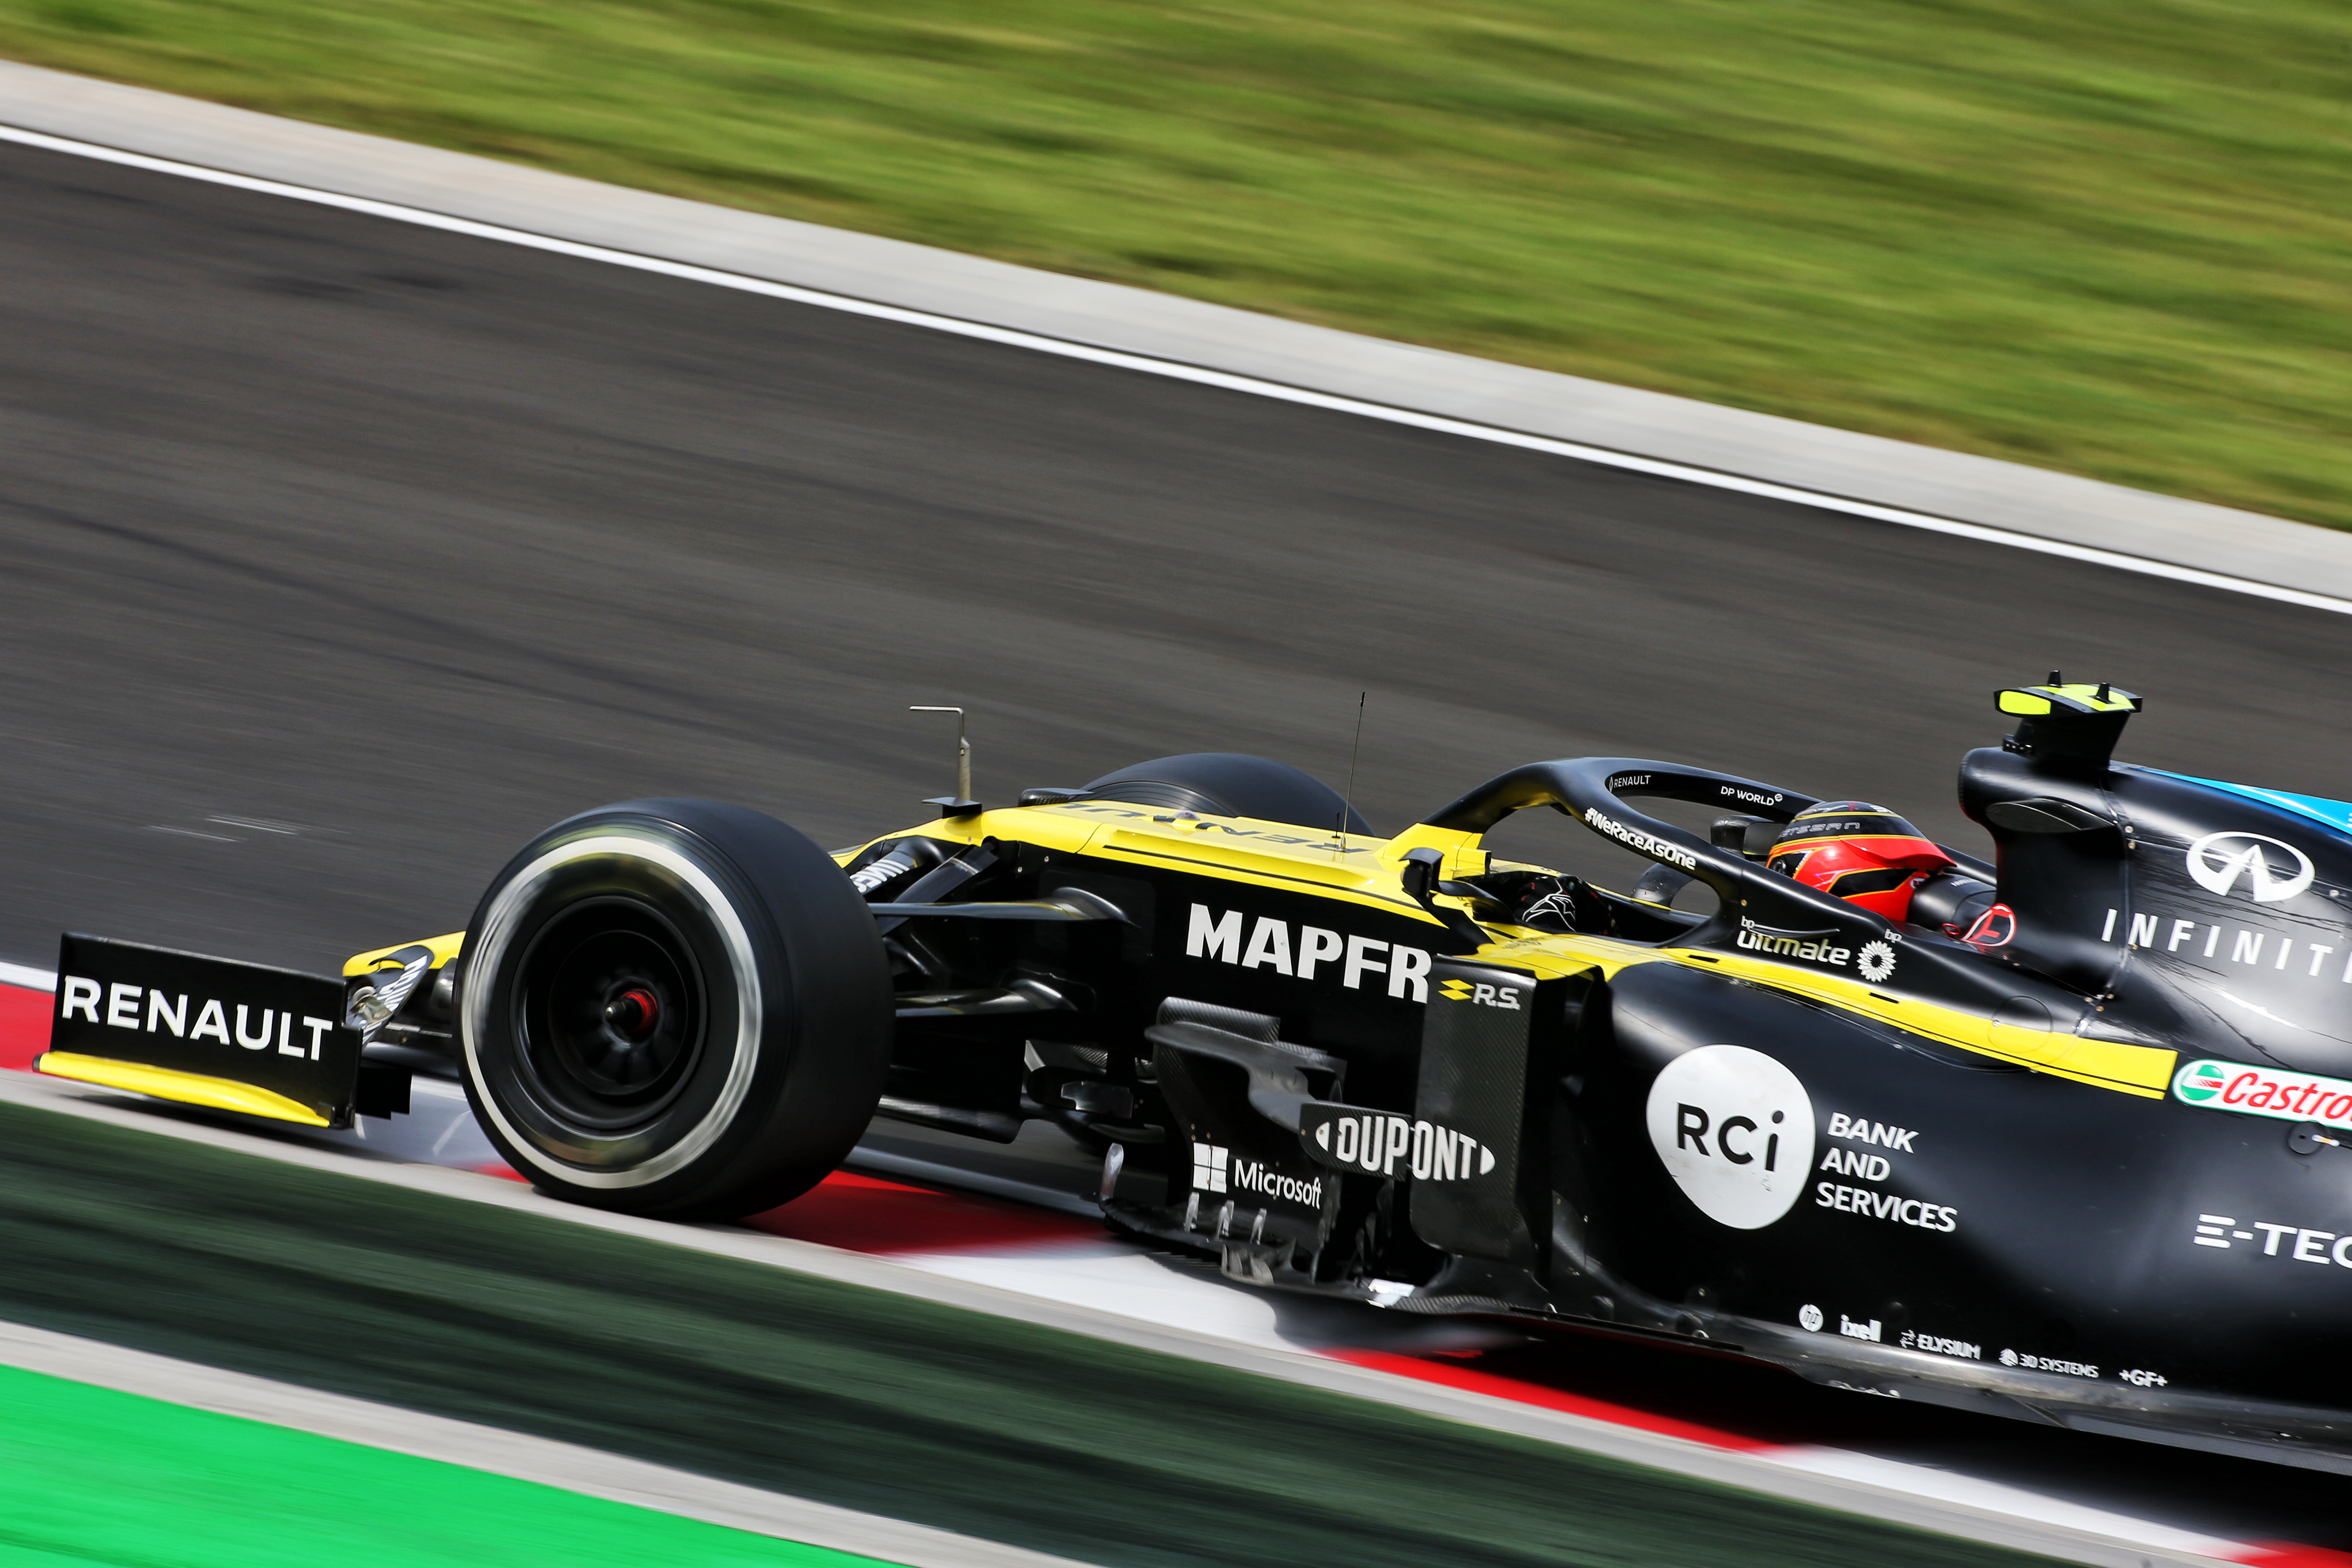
(1724,1128)
(2073,1143)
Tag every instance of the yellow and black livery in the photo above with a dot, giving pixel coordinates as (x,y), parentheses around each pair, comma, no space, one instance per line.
(1722,1107)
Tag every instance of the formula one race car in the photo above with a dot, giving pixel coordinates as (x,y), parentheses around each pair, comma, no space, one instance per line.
(2065,1139)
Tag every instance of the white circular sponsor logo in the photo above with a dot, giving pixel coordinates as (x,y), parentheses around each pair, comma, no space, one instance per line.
(1877,961)
(1811,1316)
(1735,1130)
(2271,868)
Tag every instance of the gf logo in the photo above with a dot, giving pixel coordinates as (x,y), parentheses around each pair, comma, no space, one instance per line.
(1502,996)
(2271,868)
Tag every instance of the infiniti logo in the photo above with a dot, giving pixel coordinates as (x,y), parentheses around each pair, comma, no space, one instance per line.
(2272,869)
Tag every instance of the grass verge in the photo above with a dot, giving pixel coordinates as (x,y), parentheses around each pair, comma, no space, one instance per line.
(2107,237)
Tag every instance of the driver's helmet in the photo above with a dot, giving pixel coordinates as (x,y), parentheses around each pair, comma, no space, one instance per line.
(1863,853)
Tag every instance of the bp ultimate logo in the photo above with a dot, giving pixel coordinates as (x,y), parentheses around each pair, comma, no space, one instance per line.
(1874,960)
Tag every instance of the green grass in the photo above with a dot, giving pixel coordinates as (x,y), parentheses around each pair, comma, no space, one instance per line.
(89,1476)
(2108,237)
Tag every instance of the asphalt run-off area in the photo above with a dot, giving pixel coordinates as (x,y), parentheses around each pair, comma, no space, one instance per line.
(385,547)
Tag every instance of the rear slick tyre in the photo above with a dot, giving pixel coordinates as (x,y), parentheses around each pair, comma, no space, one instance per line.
(673,1009)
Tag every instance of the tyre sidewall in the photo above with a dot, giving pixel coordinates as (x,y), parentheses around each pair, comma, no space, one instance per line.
(792,993)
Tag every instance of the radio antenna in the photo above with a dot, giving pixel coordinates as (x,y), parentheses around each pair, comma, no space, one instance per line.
(1347,800)
(963,750)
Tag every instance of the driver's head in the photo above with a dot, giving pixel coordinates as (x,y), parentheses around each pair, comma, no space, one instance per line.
(1863,853)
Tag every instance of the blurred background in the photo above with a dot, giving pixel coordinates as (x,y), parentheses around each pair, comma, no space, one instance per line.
(339,556)
(406,546)
(2107,238)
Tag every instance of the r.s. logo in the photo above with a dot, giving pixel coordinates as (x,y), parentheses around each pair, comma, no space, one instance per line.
(1735,1130)
(1504,996)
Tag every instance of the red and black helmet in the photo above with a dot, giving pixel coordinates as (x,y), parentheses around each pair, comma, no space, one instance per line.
(1863,853)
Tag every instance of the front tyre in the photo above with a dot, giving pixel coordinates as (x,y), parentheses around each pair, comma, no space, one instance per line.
(674,1007)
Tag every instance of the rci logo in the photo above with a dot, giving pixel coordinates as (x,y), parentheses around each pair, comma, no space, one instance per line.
(1483,995)
(1735,1130)
(2220,860)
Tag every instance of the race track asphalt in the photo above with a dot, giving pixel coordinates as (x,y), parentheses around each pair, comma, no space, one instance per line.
(337,556)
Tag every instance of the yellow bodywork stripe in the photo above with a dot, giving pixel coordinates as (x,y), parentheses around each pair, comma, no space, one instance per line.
(1228,864)
(187,1088)
(1462,851)
(1551,957)
(445,948)
(1357,870)
(1046,826)
(2143,1070)
(1117,831)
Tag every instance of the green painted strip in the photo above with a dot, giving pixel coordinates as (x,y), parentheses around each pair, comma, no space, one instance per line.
(885,1403)
(92,1476)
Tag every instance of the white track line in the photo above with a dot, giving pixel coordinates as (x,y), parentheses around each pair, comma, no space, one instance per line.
(1177,371)
(30,979)
(540,1460)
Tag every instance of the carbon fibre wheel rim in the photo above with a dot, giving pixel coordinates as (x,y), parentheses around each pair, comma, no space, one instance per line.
(609,1014)
(547,1144)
